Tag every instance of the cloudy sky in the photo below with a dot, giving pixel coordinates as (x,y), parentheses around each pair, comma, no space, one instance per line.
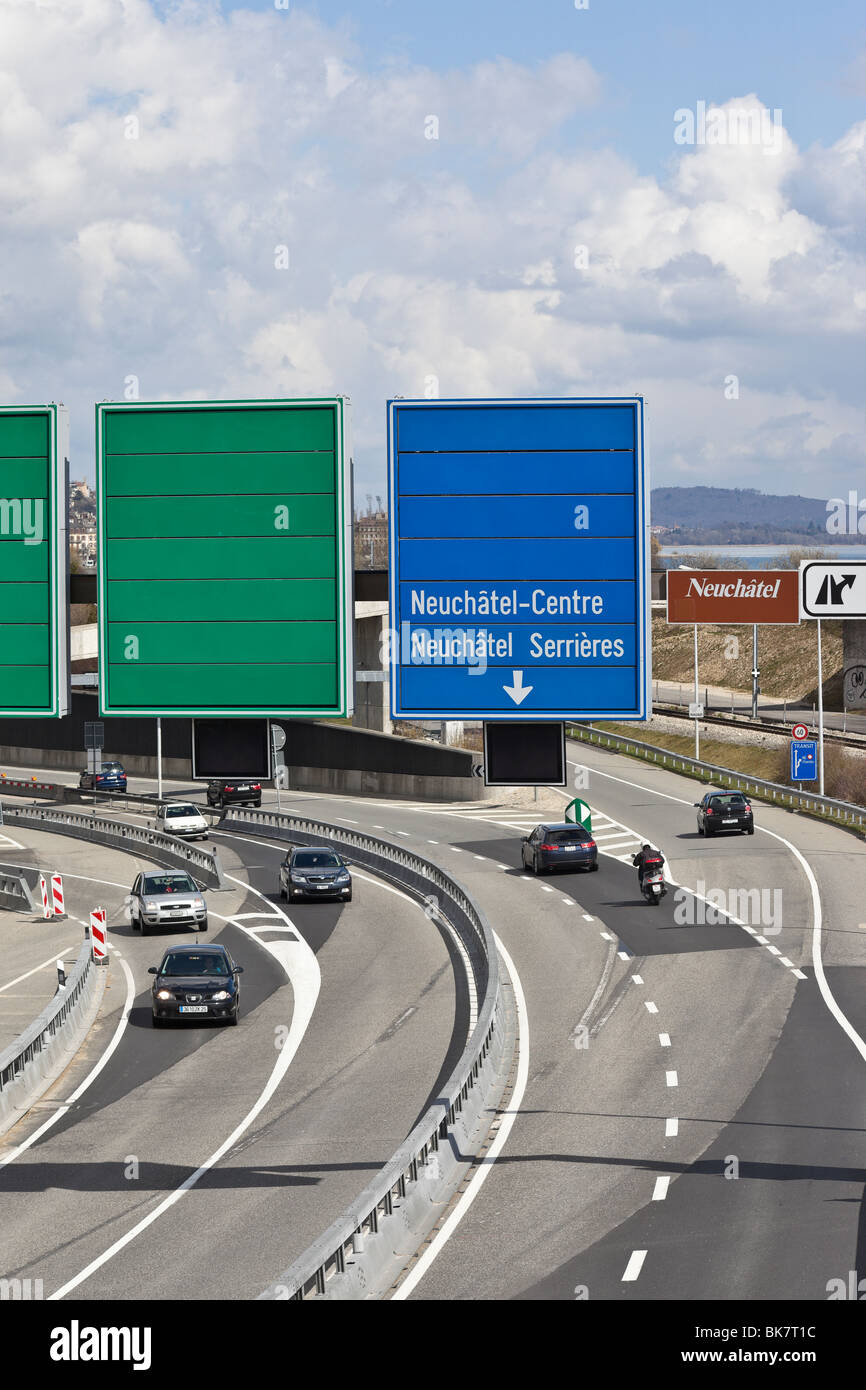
(483,197)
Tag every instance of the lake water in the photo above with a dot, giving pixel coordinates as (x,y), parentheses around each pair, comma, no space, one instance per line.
(753,556)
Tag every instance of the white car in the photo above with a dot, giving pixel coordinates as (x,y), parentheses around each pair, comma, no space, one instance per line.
(183,819)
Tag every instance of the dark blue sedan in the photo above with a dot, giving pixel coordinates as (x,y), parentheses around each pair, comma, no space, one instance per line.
(559,846)
(112,778)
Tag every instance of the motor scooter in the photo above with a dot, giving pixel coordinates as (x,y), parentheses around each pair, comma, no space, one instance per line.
(653,887)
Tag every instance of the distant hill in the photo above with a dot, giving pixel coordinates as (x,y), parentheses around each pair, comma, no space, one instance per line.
(720,515)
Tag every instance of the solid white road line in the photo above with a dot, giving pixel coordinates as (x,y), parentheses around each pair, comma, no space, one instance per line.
(91,1076)
(634,1266)
(302,970)
(416,1274)
(660,1191)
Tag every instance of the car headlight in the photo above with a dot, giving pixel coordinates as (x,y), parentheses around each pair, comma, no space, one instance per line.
(150,905)
(164,994)
(298,878)
(220,995)
(198,904)
(343,877)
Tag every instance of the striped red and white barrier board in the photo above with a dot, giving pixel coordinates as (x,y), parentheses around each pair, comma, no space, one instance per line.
(46,905)
(57,895)
(97,933)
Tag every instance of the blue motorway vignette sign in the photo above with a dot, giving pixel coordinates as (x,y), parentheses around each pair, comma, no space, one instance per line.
(518,559)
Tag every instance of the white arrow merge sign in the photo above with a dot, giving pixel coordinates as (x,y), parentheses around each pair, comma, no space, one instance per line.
(833,588)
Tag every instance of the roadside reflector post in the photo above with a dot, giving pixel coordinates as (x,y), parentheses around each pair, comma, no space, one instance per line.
(57,895)
(97,935)
(61,975)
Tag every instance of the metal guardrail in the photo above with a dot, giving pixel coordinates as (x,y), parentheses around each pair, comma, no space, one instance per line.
(28,1061)
(163,849)
(405,1181)
(789,797)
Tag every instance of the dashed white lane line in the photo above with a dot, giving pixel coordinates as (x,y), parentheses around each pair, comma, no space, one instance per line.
(568,902)
(784,961)
(607,936)
(660,1191)
(624,955)
(432,842)
(479,856)
(546,888)
(774,950)
(672,1127)
(454,849)
(638,979)
(671,1078)
(634,1266)
(650,1006)
(506,867)
(664,1039)
(587,917)
(800,975)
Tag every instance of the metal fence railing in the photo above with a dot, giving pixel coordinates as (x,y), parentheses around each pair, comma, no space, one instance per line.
(789,797)
(27,1062)
(405,1181)
(163,849)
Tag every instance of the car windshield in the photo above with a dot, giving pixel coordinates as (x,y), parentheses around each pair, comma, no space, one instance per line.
(568,837)
(316,859)
(180,811)
(168,883)
(190,963)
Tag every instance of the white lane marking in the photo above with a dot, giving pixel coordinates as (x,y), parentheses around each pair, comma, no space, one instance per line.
(672,1127)
(671,1078)
(761,940)
(634,1266)
(665,1039)
(650,1006)
(817,913)
(568,902)
(660,1191)
(52,960)
(774,950)
(406,833)
(432,842)
(302,971)
(784,961)
(416,1274)
(587,917)
(454,849)
(546,888)
(479,856)
(91,1076)
(624,955)
(638,979)
(607,936)
(499,866)
(249,916)
(5,840)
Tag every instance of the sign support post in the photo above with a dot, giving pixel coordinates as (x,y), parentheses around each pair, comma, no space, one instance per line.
(754,671)
(159,758)
(820,714)
(697,702)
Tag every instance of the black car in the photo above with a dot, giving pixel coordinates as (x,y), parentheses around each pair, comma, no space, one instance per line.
(315,871)
(195,983)
(722,811)
(234,791)
(559,846)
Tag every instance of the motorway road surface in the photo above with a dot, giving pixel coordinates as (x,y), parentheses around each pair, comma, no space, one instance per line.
(693,1116)
(349,1019)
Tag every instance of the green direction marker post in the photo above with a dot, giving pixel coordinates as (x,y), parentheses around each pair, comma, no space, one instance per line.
(579,813)
(225,558)
(34,612)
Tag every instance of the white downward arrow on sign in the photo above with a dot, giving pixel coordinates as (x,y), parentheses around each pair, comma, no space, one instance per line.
(518,691)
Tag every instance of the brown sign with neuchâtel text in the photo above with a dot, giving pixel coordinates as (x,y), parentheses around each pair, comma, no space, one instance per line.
(733,596)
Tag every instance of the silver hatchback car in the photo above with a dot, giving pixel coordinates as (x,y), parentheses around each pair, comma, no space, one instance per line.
(167,898)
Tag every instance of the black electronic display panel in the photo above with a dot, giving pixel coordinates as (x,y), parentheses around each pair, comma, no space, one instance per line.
(231,748)
(524,755)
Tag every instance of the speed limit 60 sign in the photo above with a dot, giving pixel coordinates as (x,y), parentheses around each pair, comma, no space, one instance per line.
(800,731)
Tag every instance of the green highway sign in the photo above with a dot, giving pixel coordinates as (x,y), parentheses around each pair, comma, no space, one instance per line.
(225,558)
(34,565)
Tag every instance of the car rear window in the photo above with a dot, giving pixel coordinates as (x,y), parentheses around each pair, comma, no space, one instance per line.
(732,803)
(568,837)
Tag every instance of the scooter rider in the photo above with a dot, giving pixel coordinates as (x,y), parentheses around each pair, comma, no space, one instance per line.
(648,860)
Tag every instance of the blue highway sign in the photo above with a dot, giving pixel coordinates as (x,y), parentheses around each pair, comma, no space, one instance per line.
(804,761)
(518,559)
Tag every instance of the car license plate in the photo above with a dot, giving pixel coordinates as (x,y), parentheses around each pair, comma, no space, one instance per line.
(243,786)
(323,886)
(193,1008)
(729,820)
(177,912)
